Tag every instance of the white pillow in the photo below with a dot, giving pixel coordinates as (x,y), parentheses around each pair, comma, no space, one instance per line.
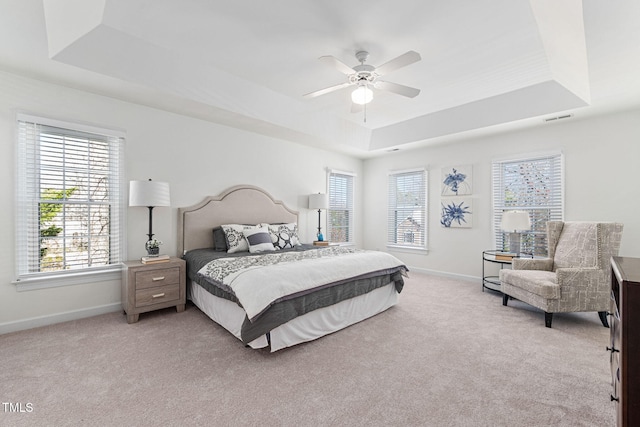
(283,235)
(236,242)
(258,240)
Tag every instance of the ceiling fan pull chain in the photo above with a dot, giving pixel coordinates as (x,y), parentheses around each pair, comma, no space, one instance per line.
(365,113)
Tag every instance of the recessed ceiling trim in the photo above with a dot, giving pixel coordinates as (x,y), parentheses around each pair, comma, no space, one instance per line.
(532,101)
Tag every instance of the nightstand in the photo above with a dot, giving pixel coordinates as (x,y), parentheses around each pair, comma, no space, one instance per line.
(148,287)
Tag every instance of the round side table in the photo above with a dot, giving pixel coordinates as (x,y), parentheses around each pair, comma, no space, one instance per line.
(496,257)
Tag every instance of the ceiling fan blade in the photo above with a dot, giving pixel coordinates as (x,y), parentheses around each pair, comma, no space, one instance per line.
(399,62)
(326,90)
(410,92)
(337,64)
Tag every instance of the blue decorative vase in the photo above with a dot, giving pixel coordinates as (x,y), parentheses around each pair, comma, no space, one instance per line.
(320,237)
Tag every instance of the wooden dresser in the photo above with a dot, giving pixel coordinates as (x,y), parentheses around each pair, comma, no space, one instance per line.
(148,287)
(625,339)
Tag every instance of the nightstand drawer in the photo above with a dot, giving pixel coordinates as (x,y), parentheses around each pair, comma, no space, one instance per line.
(157,277)
(157,295)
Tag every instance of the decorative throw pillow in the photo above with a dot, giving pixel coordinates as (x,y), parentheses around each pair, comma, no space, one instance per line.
(236,242)
(284,235)
(258,240)
(219,240)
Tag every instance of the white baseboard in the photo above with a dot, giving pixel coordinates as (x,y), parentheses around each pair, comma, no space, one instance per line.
(51,319)
(34,322)
(445,274)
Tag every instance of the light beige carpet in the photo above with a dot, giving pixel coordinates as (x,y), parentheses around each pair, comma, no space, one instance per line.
(447,355)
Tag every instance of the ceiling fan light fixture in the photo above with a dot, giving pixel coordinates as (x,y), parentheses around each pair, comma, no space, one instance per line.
(362,95)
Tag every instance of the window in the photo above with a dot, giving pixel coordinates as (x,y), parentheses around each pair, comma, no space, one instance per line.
(407,226)
(340,213)
(69,194)
(534,185)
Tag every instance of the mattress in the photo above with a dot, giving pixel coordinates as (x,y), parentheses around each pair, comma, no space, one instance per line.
(322,300)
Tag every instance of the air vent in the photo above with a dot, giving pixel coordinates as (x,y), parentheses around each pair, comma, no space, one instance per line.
(552,119)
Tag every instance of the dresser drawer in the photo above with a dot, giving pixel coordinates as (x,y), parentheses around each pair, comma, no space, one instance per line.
(615,333)
(157,295)
(614,325)
(614,359)
(157,277)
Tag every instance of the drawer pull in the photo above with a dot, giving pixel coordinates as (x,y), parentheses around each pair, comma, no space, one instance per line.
(155,279)
(157,295)
(614,398)
(613,350)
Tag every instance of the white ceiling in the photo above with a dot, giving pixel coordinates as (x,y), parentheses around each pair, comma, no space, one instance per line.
(486,65)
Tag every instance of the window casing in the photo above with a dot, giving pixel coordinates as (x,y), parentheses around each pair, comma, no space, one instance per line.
(340,213)
(407,214)
(534,184)
(69,198)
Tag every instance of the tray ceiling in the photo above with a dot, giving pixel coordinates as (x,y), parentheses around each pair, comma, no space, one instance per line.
(486,65)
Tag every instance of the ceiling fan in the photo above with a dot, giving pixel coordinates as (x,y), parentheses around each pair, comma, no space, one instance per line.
(365,77)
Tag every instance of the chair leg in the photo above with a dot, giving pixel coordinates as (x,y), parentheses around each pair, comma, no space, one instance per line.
(548,317)
(603,318)
(505,299)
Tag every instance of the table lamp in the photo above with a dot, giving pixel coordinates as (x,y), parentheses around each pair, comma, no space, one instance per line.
(512,222)
(318,201)
(150,194)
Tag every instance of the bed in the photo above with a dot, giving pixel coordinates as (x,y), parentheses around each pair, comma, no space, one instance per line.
(248,271)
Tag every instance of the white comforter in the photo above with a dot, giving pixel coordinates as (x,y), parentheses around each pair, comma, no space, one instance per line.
(261,280)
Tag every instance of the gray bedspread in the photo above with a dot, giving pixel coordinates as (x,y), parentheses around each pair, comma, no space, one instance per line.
(283,311)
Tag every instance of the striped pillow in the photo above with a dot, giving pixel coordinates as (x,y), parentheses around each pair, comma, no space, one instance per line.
(236,242)
(258,239)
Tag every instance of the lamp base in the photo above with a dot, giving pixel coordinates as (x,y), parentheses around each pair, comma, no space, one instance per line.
(319,235)
(514,243)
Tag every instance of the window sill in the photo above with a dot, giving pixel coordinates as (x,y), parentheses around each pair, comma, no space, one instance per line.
(407,249)
(68,279)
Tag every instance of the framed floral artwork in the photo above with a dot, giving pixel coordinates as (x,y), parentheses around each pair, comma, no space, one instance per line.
(457,180)
(456,212)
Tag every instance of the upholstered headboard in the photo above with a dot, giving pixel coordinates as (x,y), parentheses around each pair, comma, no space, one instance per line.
(242,204)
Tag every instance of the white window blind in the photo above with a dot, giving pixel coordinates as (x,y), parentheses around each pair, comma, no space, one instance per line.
(407,217)
(340,213)
(534,185)
(70,204)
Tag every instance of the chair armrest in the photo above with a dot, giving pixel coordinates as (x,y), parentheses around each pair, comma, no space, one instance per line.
(584,277)
(545,264)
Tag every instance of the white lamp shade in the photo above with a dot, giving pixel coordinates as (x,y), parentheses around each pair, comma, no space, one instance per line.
(362,95)
(318,201)
(149,193)
(515,220)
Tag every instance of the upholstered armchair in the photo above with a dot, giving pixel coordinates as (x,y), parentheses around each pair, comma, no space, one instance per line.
(576,276)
